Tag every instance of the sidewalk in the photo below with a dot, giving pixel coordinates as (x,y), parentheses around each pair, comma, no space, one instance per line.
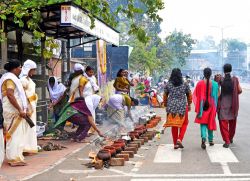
(46,160)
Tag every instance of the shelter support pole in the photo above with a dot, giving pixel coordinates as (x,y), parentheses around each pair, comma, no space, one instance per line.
(63,61)
(68,56)
(43,85)
(4,48)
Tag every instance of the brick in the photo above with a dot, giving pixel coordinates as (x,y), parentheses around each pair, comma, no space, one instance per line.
(133,145)
(98,164)
(117,162)
(131,153)
(149,136)
(145,138)
(138,143)
(134,149)
(125,156)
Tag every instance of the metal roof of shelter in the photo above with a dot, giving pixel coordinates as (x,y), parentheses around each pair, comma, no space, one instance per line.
(69,21)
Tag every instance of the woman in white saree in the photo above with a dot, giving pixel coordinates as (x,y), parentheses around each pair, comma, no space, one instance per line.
(79,85)
(28,70)
(14,111)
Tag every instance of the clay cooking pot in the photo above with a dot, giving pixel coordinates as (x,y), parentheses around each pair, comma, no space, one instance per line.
(104,155)
(111,149)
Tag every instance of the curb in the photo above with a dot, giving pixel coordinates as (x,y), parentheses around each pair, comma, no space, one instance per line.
(95,138)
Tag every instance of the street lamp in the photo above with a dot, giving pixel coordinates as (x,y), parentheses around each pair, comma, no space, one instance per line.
(222,42)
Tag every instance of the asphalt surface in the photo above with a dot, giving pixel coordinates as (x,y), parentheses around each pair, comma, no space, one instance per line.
(157,160)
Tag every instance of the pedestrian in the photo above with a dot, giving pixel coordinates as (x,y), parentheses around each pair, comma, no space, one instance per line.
(80,113)
(2,149)
(79,85)
(58,96)
(116,109)
(121,84)
(177,100)
(205,98)
(228,105)
(28,70)
(92,103)
(14,103)
(90,75)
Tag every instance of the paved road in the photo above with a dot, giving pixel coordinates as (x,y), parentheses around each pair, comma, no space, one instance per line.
(157,160)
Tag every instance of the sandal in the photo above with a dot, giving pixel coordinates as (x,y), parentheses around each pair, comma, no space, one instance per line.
(203,145)
(17,164)
(211,143)
(176,147)
(179,144)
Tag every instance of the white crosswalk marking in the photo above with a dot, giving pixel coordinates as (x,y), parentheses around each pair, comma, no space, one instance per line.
(167,154)
(193,179)
(218,154)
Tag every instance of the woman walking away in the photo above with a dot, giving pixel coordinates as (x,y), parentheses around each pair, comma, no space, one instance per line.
(14,111)
(229,105)
(205,98)
(28,70)
(177,99)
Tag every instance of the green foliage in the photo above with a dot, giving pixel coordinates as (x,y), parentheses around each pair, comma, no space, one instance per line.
(235,45)
(142,59)
(26,13)
(157,57)
(180,45)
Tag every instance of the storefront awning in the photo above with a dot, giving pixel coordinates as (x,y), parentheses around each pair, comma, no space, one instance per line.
(69,21)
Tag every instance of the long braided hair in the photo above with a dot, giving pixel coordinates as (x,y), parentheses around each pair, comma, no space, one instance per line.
(227,84)
(207,74)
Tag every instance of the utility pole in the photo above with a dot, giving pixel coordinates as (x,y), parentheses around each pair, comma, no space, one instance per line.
(222,41)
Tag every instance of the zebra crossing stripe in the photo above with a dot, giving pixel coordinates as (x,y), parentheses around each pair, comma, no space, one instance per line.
(219,154)
(167,154)
(193,179)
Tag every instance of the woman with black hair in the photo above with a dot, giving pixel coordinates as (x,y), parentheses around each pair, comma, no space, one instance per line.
(15,105)
(121,84)
(177,99)
(229,105)
(205,98)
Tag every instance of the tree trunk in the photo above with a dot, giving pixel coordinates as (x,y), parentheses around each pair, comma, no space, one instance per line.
(19,42)
(4,48)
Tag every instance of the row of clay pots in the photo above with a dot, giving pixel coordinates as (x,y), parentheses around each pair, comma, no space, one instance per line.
(110,151)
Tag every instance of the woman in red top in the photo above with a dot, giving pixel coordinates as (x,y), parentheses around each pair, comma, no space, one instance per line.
(205,98)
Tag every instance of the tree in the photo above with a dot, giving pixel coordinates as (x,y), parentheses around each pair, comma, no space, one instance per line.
(27,11)
(235,45)
(142,59)
(180,46)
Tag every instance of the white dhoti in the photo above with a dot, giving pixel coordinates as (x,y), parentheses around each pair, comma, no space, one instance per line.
(2,149)
(30,133)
